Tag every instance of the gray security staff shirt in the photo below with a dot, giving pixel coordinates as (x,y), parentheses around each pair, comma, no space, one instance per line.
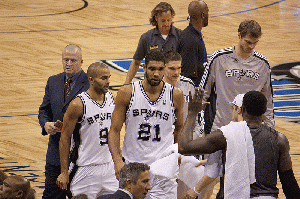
(152,39)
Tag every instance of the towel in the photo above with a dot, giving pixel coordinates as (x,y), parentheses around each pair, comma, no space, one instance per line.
(188,172)
(167,165)
(240,160)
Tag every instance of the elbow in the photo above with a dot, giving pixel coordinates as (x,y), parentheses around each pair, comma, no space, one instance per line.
(182,149)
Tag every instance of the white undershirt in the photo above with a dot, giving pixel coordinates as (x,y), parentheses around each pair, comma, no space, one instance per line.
(164,36)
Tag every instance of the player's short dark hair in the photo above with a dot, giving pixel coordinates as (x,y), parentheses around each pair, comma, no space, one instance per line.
(255,103)
(131,172)
(250,27)
(160,8)
(154,55)
(172,56)
(92,70)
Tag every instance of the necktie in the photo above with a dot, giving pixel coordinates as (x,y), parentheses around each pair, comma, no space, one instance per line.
(67,88)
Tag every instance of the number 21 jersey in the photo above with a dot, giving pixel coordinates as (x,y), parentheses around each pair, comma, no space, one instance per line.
(149,125)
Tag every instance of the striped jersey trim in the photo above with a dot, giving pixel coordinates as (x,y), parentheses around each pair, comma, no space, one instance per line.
(263,58)
(84,108)
(211,60)
(186,79)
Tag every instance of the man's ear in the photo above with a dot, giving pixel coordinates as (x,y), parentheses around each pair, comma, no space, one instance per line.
(129,184)
(239,110)
(243,110)
(90,79)
(144,67)
(239,34)
(20,194)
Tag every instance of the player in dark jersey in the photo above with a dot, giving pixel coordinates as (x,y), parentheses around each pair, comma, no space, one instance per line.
(271,147)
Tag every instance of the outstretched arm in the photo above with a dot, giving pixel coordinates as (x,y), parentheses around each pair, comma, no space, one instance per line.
(209,143)
(73,113)
(118,117)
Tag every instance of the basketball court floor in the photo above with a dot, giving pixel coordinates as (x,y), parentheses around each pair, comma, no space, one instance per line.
(33,34)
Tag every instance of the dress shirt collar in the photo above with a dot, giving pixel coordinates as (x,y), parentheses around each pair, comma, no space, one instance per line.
(75,77)
(124,190)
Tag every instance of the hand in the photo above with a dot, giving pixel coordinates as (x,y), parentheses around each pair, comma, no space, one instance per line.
(201,162)
(50,128)
(59,124)
(195,102)
(179,160)
(63,180)
(190,194)
(118,168)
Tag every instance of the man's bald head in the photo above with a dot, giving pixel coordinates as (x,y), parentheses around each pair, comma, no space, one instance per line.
(73,48)
(15,187)
(196,8)
(72,59)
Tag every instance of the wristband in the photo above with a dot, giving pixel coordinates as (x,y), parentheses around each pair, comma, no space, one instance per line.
(196,191)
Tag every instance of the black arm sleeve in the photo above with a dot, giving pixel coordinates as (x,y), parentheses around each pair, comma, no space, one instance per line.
(290,186)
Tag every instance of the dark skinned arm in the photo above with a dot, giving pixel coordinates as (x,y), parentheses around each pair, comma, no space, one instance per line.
(204,145)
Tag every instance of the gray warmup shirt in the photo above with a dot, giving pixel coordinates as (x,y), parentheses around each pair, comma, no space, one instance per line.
(231,76)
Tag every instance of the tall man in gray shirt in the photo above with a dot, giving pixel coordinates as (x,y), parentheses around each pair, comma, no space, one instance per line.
(236,70)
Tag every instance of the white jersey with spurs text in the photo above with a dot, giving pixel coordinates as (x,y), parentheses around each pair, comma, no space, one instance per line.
(149,125)
(93,132)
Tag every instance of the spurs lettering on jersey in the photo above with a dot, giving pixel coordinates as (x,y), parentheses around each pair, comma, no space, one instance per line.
(150,113)
(239,73)
(99,118)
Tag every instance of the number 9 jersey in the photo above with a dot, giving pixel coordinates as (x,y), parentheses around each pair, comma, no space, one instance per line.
(89,143)
(149,125)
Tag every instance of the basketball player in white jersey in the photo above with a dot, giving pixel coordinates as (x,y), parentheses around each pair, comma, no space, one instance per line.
(90,115)
(173,77)
(153,113)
